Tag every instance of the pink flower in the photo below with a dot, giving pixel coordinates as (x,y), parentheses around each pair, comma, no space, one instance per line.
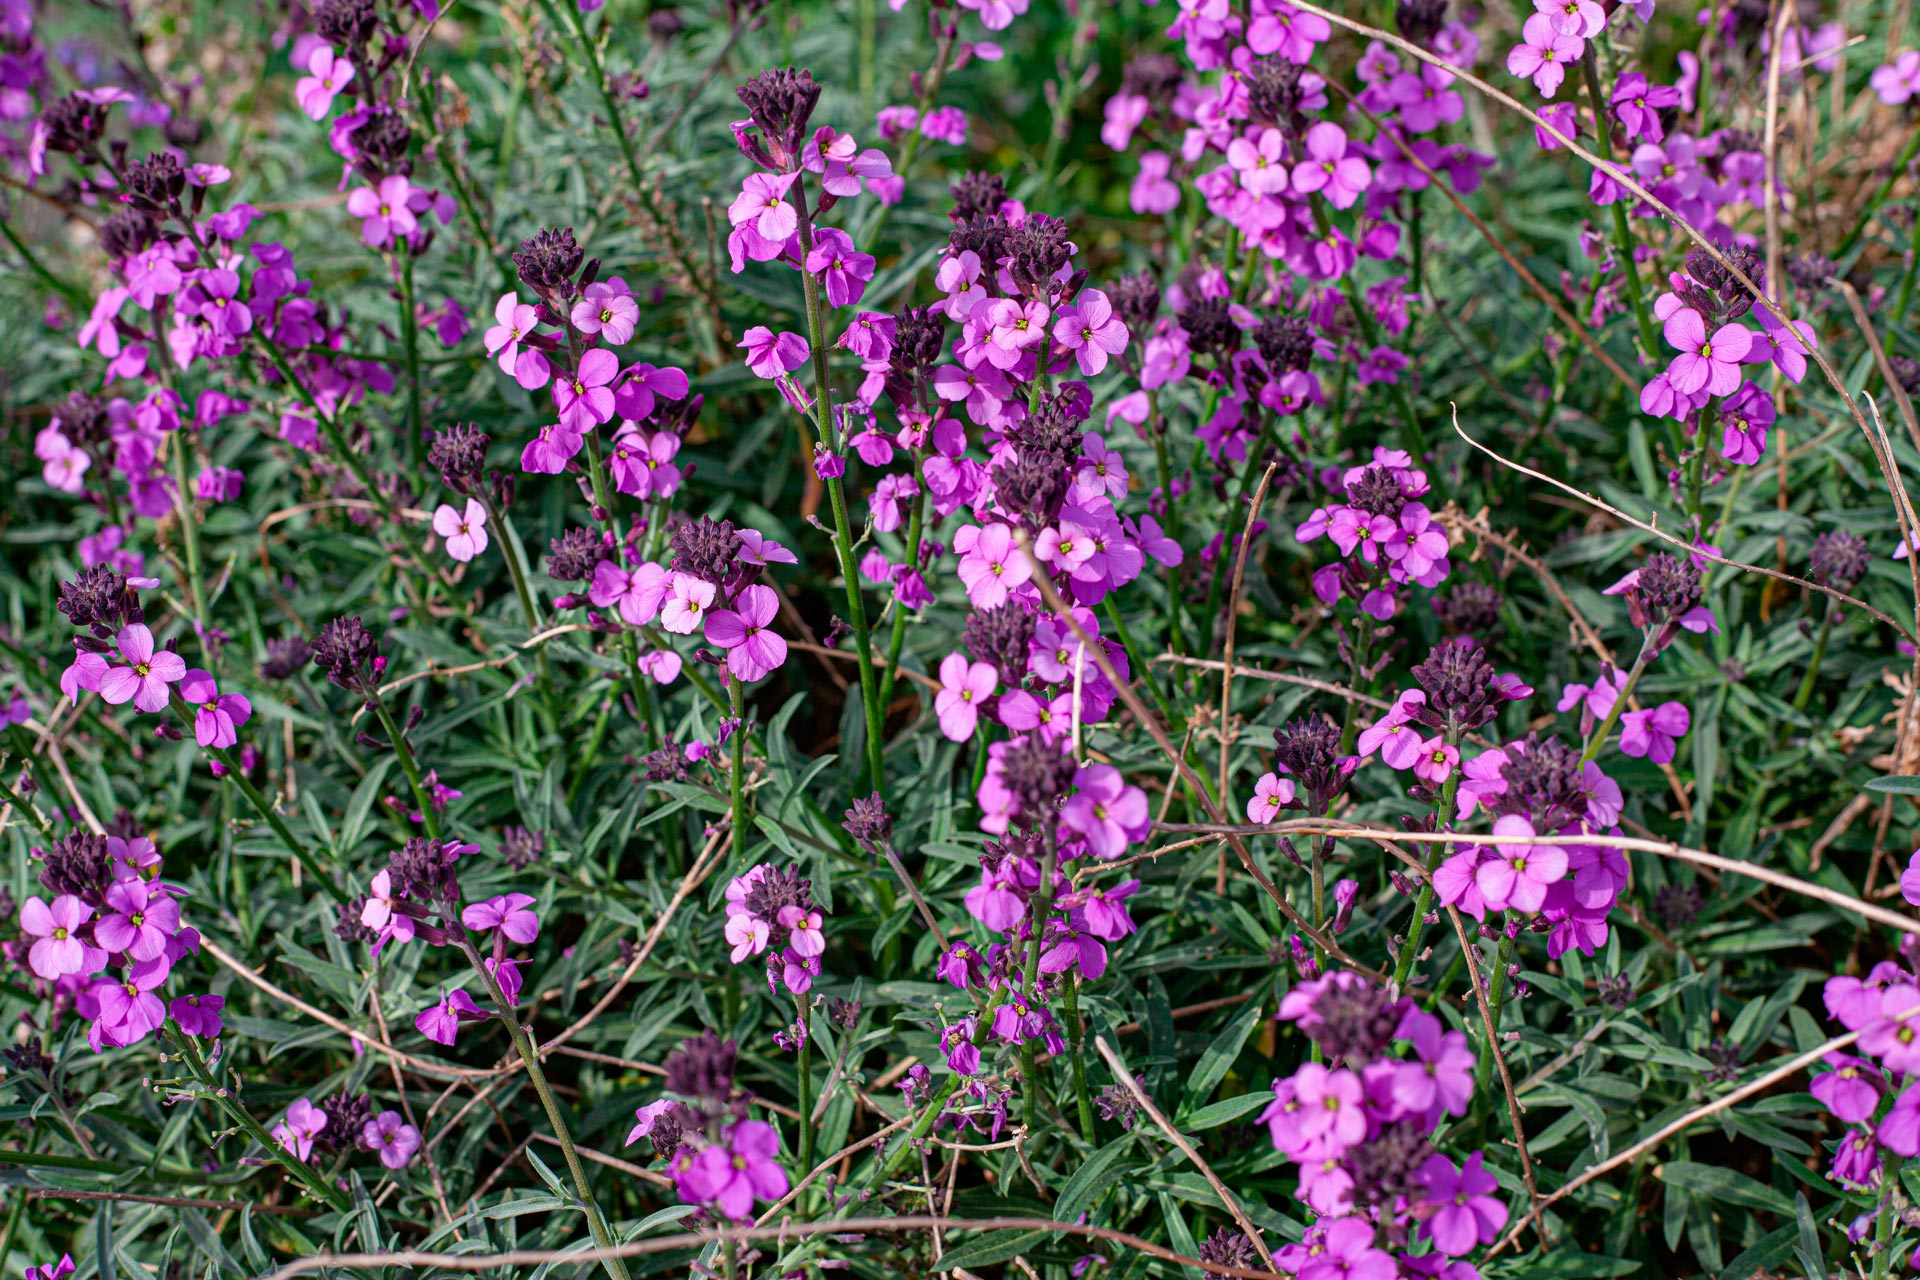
(315,92)
(440,1023)
(1851,1091)
(384,214)
(1710,363)
(1106,810)
(1653,733)
(216,716)
(1285,30)
(1328,167)
(607,309)
(636,592)
(1899,80)
(1465,1208)
(753,651)
(129,1010)
(508,913)
(144,679)
(391,1136)
(770,355)
(586,398)
(302,1125)
(1910,880)
(1012,328)
(1091,331)
(514,321)
(687,597)
(643,464)
(1582,18)
(945,124)
(1435,761)
(1519,875)
(730,1175)
(56,952)
(465,532)
(843,269)
(140,921)
(762,204)
(1270,795)
(1152,190)
(990,565)
(198,1016)
(963,687)
(1544,54)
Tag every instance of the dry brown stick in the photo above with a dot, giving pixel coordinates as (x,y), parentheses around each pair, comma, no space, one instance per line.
(1187,775)
(820,650)
(627,1167)
(1692,549)
(1187,1149)
(793,1193)
(700,1239)
(1280,677)
(1493,1046)
(1772,158)
(437,1070)
(406,1108)
(1665,848)
(1233,617)
(1685,1122)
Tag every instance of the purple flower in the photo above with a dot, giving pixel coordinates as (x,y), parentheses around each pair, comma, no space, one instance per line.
(1653,733)
(945,124)
(1856,1162)
(1581,18)
(762,206)
(1910,879)
(770,355)
(1440,1074)
(52,1271)
(302,1124)
(128,1009)
(1638,104)
(1544,54)
(1899,80)
(508,913)
(731,1174)
(843,269)
(216,716)
(1519,875)
(1851,1091)
(465,532)
(327,76)
(198,1016)
(1346,1252)
(991,565)
(140,920)
(586,398)
(1460,1206)
(1152,190)
(1712,363)
(384,213)
(963,687)
(391,1136)
(1105,809)
(56,951)
(440,1023)
(1090,330)
(1328,167)
(1271,794)
(753,650)
(607,309)
(218,484)
(146,675)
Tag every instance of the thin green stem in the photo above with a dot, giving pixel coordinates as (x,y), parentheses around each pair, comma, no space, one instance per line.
(737,777)
(596,1221)
(1076,1033)
(916,523)
(1620,703)
(1622,232)
(223,1098)
(410,345)
(1423,900)
(403,750)
(805,1093)
(1805,693)
(20,806)
(71,292)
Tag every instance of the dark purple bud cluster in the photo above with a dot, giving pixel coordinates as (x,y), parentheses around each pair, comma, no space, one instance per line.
(460,454)
(1001,636)
(780,103)
(548,260)
(349,655)
(867,822)
(1839,560)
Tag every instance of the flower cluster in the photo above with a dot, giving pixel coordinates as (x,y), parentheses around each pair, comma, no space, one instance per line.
(771,912)
(344,1122)
(719,1157)
(1386,537)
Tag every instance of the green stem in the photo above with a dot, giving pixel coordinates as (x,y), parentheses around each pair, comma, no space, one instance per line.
(410,344)
(72,293)
(1907,276)
(805,1095)
(1805,693)
(223,1098)
(1496,997)
(408,765)
(189,537)
(1076,1033)
(1620,703)
(916,524)
(596,1221)
(1622,232)
(1069,92)
(20,806)
(1703,451)
(1423,900)
(737,779)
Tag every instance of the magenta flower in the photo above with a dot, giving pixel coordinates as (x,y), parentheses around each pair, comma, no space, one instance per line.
(1329,168)
(1709,363)
(648,1116)
(1331,1104)
(1638,104)
(507,913)
(843,269)
(643,463)
(515,321)
(1106,810)
(770,355)
(1544,54)
(1280,28)
(762,205)
(1012,327)
(1420,543)
(198,1016)
(384,213)
(1899,80)
(144,679)
(752,650)
(216,716)
(1271,794)
(1461,1207)
(607,308)
(57,951)
(140,920)
(302,1124)
(963,687)
(731,1174)
(842,166)
(52,1271)
(687,597)
(128,1009)
(391,1136)
(1910,880)
(465,532)
(327,76)
(991,565)
(948,124)
(1851,1091)
(1090,330)
(440,1023)
(586,398)
(636,593)
(1346,1252)
(1581,18)
(1152,190)
(1440,1074)
(1519,875)
(1653,733)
